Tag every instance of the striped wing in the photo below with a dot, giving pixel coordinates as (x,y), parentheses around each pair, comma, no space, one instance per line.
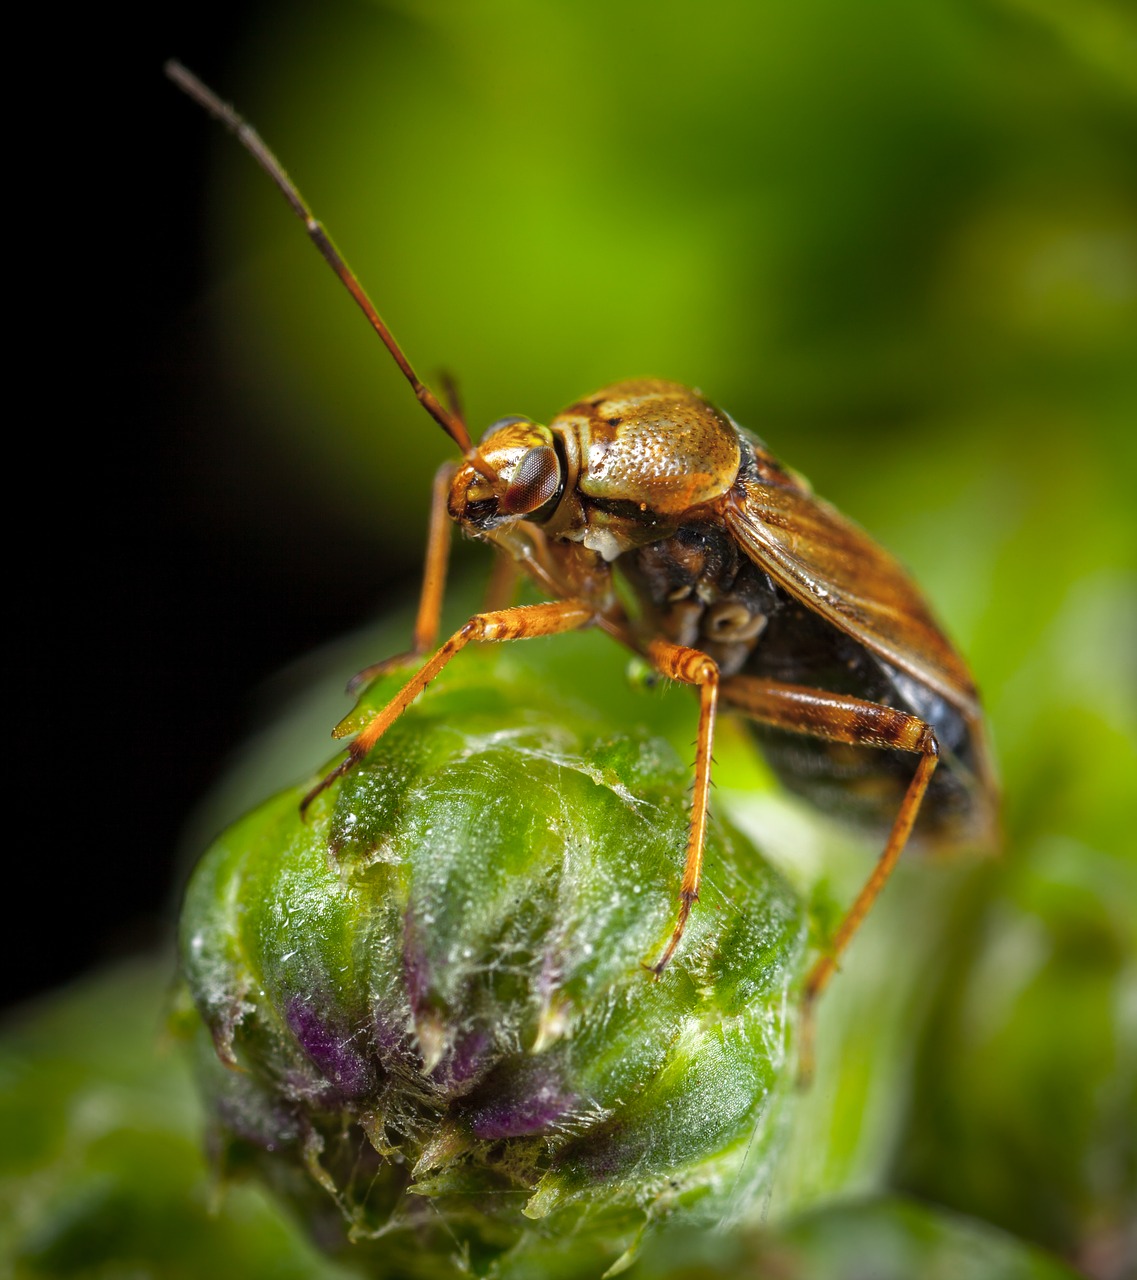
(834,568)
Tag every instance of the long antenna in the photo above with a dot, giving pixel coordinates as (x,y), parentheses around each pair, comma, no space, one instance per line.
(248,137)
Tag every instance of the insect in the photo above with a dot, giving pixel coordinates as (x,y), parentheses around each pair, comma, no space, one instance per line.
(745,585)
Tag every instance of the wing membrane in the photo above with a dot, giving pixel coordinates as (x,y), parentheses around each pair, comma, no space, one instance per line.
(837,570)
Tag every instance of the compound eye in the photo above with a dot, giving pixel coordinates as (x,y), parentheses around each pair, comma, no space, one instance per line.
(535,482)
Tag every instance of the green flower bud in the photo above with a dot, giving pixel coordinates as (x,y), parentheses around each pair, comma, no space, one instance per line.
(432,1023)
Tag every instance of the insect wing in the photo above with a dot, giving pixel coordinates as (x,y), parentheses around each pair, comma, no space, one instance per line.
(834,568)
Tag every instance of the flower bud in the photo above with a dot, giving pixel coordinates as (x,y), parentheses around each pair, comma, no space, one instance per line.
(434,1026)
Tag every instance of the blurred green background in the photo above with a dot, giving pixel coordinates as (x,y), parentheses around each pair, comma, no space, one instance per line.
(899,242)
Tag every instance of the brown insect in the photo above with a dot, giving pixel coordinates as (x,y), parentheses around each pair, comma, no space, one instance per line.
(746,585)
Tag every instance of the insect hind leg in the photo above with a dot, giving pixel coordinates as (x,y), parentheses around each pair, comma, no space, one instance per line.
(841,718)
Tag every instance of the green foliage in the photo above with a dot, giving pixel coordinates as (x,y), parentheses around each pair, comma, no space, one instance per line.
(102,1172)
(887,1239)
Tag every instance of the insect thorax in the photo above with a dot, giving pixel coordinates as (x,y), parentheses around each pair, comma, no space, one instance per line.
(698,588)
(655,445)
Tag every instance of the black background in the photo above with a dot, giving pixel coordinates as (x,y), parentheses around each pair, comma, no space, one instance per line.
(158,580)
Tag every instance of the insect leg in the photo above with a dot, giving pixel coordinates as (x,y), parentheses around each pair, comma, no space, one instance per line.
(839,718)
(433,584)
(521,623)
(691,666)
(503,582)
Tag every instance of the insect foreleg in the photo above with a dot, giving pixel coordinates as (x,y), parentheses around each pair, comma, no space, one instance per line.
(521,623)
(502,586)
(433,584)
(691,666)
(840,718)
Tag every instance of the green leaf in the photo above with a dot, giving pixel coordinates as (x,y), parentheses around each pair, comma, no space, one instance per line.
(887,1239)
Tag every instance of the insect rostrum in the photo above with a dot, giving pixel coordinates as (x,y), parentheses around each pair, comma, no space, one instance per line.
(743,584)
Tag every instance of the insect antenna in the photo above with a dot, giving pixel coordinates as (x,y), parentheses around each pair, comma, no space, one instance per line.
(448,419)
